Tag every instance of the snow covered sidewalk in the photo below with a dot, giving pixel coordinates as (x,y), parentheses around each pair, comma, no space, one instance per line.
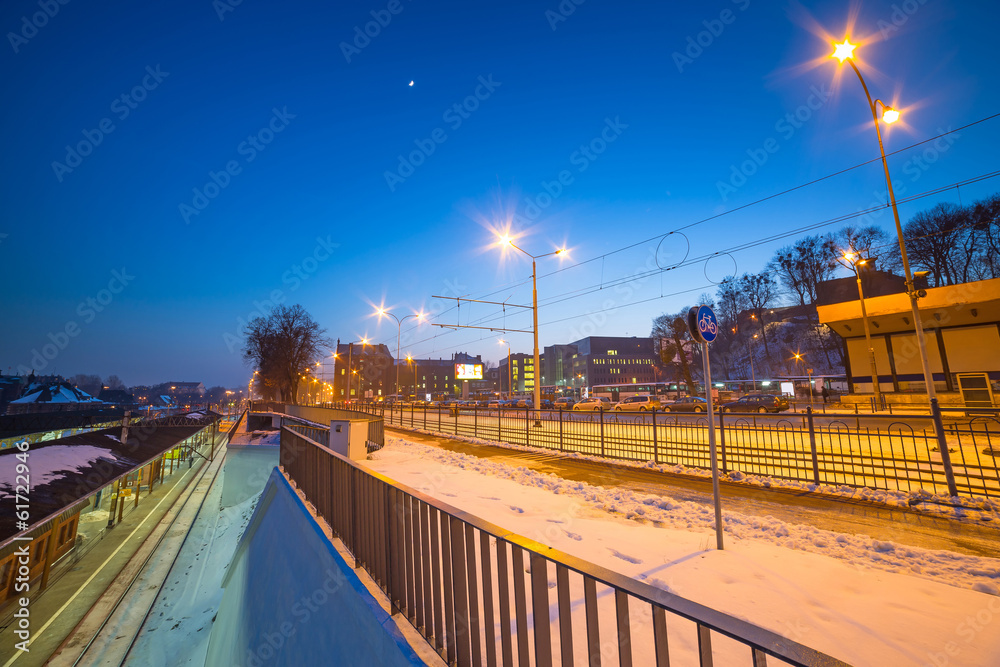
(864,601)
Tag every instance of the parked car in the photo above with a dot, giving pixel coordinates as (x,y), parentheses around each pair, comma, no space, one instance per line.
(757,403)
(565,402)
(593,404)
(638,404)
(523,403)
(495,404)
(687,404)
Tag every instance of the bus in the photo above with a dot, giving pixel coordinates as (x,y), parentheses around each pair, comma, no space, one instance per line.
(619,392)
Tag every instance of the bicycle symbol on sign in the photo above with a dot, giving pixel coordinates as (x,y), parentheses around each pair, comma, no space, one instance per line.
(706,324)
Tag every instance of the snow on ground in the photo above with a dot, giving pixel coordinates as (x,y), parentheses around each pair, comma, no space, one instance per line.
(180,623)
(862,600)
(47,464)
(257,438)
(959,508)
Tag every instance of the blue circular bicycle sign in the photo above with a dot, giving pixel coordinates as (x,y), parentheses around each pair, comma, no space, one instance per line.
(703,324)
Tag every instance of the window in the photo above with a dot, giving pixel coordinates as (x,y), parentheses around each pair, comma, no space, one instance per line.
(40,551)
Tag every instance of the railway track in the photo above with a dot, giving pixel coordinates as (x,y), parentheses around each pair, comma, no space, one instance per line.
(108,632)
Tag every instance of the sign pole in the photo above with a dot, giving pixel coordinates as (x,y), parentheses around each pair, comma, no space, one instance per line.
(704,328)
(712,448)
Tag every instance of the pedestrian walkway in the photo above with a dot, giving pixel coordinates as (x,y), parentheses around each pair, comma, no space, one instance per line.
(838,514)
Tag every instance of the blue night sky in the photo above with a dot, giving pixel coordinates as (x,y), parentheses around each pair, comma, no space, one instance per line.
(170,167)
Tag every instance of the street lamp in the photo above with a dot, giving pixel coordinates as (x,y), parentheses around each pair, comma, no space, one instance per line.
(381,312)
(506,240)
(809,374)
(844,52)
(350,353)
(410,359)
(855,260)
(753,373)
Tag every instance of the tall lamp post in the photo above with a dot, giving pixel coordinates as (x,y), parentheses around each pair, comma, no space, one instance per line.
(410,359)
(844,52)
(382,312)
(855,260)
(508,241)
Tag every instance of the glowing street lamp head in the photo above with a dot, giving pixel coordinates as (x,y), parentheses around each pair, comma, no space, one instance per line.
(506,240)
(890,115)
(844,51)
(849,256)
(380,311)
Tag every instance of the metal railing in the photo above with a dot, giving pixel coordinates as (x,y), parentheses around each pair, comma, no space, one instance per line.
(324,414)
(888,453)
(475,590)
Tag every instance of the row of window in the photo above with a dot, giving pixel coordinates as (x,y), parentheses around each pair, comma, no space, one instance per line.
(604,362)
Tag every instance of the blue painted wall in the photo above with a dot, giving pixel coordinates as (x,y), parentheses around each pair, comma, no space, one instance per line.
(290,599)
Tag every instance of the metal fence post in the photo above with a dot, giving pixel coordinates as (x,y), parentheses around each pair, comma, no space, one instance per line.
(527,428)
(949,473)
(475,422)
(601,410)
(812,444)
(722,442)
(656,454)
(561,448)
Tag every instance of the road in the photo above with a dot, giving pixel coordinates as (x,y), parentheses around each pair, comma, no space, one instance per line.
(842,515)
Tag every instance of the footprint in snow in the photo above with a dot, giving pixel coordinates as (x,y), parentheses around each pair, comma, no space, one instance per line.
(450,495)
(627,558)
(573,536)
(517,509)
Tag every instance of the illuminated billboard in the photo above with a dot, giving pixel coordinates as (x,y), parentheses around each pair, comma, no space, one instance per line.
(468,371)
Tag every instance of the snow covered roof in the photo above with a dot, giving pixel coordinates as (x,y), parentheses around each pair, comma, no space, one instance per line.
(55,392)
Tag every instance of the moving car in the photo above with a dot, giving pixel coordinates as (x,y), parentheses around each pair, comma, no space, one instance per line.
(638,404)
(687,404)
(593,404)
(757,403)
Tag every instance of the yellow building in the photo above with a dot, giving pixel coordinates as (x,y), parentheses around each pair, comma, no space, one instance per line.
(962,325)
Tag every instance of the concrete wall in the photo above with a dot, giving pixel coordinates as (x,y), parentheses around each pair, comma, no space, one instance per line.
(247,470)
(290,599)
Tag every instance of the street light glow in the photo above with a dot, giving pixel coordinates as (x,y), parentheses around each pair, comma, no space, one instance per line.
(890,115)
(506,240)
(844,51)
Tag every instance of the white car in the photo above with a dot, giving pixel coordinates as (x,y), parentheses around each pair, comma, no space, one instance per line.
(593,404)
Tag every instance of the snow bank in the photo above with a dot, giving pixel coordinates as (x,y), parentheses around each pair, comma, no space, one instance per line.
(865,601)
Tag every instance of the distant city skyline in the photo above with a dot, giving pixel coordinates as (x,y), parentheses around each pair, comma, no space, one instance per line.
(174,169)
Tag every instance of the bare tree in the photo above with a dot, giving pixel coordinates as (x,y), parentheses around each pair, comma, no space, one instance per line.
(671,336)
(281,345)
(760,292)
(114,382)
(943,241)
(801,266)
